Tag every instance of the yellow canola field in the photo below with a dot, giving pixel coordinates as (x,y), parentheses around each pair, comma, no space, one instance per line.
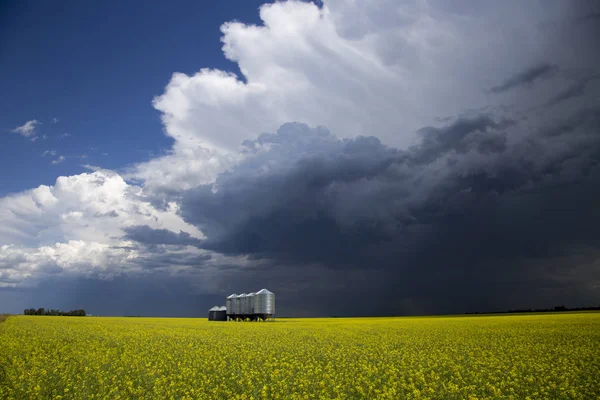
(548,356)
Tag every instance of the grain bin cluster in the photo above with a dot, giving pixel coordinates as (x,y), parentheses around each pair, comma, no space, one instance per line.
(259,306)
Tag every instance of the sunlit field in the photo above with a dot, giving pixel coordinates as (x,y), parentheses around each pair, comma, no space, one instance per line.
(550,356)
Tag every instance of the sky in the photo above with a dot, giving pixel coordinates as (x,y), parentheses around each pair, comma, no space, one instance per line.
(376,158)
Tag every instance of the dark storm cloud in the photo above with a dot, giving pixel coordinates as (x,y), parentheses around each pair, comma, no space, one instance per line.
(526,77)
(147,235)
(462,136)
(155,257)
(591,17)
(576,89)
(465,220)
(586,118)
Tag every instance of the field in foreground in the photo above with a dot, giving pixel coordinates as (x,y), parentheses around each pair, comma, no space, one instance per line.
(551,356)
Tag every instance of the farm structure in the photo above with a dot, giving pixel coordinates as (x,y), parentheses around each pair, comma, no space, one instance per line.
(259,306)
(217,314)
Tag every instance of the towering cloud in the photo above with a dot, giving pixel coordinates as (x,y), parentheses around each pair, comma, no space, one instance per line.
(463,209)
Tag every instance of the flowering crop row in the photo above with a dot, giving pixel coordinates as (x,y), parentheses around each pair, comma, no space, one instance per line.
(550,356)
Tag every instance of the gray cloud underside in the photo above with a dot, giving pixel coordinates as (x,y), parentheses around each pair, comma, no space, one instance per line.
(576,89)
(465,213)
(526,77)
(146,235)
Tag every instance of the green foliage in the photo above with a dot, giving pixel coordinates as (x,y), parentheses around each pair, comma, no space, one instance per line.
(42,311)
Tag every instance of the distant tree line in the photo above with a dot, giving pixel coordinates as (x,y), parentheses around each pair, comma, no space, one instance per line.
(539,310)
(43,311)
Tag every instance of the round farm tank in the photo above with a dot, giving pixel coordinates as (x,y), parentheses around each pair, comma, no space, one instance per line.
(250,301)
(229,304)
(212,312)
(220,314)
(241,305)
(264,304)
(235,305)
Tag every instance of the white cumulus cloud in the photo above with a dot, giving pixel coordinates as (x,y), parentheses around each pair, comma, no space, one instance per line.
(358,68)
(77,226)
(94,207)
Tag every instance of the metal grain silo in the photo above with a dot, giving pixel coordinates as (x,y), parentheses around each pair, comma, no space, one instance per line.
(264,304)
(211,313)
(241,304)
(220,314)
(250,303)
(235,305)
(229,304)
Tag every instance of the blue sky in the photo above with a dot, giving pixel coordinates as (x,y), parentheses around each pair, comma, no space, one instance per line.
(96,66)
(447,152)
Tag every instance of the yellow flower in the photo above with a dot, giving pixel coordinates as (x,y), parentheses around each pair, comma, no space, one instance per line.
(535,356)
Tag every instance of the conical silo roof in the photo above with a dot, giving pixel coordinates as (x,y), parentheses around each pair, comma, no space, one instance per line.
(264,291)
(232,296)
(264,302)
(215,308)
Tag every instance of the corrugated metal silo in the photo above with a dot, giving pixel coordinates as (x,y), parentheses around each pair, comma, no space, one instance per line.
(211,313)
(229,304)
(264,303)
(241,305)
(220,314)
(250,301)
(233,310)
